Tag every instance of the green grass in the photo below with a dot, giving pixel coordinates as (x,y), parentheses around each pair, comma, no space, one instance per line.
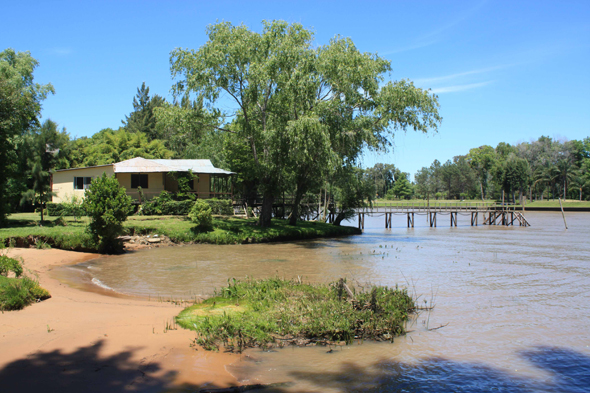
(555,203)
(433,202)
(279,312)
(233,230)
(17,292)
(24,231)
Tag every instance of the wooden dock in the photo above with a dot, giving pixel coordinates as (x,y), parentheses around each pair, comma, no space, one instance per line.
(489,214)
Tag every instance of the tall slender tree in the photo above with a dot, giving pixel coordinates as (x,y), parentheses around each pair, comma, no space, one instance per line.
(20,108)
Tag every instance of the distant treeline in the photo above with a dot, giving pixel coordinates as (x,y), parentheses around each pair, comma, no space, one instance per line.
(542,169)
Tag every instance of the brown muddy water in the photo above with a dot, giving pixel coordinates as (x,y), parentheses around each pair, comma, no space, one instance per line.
(514,303)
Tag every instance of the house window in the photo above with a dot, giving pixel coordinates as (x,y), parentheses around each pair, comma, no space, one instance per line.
(82,183)
(139,180)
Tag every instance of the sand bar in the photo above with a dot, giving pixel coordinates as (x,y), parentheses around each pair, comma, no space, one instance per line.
(86,341)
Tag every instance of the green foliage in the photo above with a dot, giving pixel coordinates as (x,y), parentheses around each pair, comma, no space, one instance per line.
(108,206)
(253,313)
(16,294)
(403,188)
(8,265)
(20,106)
(301,111)
(200,214)
(220,206)
(143,119)
(108,146)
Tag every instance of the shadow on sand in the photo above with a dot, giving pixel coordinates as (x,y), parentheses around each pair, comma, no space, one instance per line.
(565,371)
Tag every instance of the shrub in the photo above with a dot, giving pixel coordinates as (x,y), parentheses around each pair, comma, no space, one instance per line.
(200,214)
(108,206)
(16,294)
(220,206)
(10,265)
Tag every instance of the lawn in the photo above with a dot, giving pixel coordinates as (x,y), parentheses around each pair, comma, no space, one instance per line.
(25,231)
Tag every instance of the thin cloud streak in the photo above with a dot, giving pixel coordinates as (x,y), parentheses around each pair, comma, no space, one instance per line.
(461,74)
(433,37)
(457,88)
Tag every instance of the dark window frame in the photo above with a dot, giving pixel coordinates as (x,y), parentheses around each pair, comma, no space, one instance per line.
(82,182)
(139,180)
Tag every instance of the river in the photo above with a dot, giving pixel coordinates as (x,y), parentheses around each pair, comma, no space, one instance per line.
(511,304)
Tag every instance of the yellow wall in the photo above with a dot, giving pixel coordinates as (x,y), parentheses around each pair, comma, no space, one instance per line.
(63,181)
(155,184)
(202,186)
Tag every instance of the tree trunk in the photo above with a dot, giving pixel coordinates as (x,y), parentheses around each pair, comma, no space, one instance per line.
(295,211)
(266,212)
(482,196)
(339,219)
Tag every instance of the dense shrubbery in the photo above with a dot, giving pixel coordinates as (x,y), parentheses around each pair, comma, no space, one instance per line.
(108,206)
(165,204)
(200,214)
(220,206)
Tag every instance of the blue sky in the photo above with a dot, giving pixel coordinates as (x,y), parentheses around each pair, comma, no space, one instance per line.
(503,70)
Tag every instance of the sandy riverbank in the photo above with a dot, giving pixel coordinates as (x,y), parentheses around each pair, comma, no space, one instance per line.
(84,341)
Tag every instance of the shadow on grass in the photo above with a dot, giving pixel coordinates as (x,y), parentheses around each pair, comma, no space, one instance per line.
(563,371)
(85,370)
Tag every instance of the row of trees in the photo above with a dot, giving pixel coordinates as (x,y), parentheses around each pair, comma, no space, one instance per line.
(545,168)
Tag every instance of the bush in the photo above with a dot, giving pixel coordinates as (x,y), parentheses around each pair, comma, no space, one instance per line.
(16,294)
(220,206)
(10,265)
(200,214)
(108,206)
(73,208)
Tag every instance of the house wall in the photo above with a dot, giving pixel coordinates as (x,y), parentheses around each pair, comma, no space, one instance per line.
(63,181)
(202,186)
(155,184)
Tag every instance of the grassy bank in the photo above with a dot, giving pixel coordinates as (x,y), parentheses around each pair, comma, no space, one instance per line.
(279,312)
(555,203)
(433,202)
(24,231)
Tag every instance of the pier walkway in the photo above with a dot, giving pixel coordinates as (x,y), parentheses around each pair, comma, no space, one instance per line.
(489,214)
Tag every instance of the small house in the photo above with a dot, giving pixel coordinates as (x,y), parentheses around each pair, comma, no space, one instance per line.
(153,176)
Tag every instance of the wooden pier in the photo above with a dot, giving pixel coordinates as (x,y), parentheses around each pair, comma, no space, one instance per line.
(490,214)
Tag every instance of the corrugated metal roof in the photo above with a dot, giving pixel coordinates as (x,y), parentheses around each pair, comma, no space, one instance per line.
(142,165)
(84,167)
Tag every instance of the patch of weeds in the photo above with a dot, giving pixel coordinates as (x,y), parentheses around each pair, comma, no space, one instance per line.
(276,312)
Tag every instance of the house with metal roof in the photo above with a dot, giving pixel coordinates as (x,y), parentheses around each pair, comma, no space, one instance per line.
(153,176)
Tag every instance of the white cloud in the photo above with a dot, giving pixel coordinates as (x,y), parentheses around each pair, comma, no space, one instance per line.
(456,88)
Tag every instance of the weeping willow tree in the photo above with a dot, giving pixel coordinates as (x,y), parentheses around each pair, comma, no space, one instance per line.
(303,111)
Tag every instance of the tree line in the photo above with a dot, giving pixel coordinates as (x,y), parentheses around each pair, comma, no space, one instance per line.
(537,170)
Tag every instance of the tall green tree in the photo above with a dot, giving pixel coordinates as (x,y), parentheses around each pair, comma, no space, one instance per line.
(47,151)
(283,87)
(143,119)
(482,160)
(20,108)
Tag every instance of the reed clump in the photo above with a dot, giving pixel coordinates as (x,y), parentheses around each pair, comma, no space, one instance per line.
(278,312)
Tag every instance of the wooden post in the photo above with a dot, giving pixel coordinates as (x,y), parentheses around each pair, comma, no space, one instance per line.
(433,219)
(562,213)
(474,218)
